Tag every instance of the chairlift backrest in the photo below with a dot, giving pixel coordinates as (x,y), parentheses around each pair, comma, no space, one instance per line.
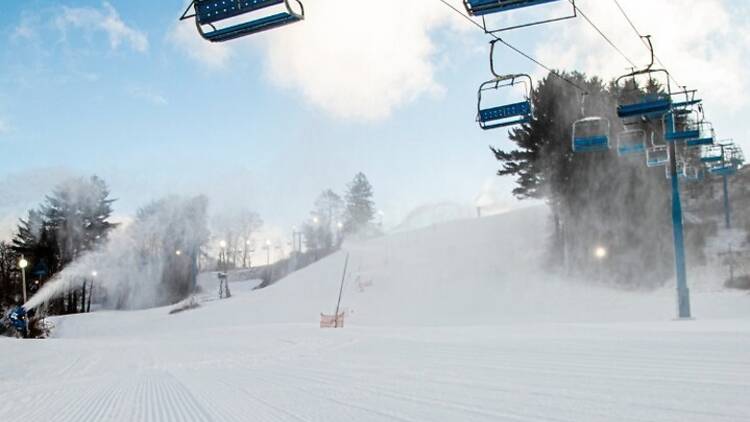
(631,142)
(504,115)
(591,134)
(482,8)
(673,133)
(651,104)
(210,12)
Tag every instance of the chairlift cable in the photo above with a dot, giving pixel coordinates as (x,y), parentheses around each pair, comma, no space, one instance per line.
(609,41)
(516,49)
(641,38)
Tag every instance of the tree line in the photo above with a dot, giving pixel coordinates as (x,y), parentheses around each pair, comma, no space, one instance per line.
(597,199)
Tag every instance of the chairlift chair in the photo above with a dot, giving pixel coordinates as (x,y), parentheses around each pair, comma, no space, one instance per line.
(711,154)
(649,105)
(208,13)
(686,171)
(707,136)
(657,155)
(631,142)
(504,115)
(723,170)
(693,173)
(673,133)
(482,8)
(735,155)
(725,158)
(591,134)
(687,106)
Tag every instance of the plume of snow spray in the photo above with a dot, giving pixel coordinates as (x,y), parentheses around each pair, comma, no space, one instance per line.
(146,263)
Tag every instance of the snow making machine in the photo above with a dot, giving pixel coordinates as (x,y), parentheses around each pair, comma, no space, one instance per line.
(19,320)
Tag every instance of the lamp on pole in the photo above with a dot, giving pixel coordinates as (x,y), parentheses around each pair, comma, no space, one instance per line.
(222,254)
(22,264)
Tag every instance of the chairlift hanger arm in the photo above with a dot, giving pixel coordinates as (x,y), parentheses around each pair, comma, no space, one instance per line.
(185,15)
(504,6)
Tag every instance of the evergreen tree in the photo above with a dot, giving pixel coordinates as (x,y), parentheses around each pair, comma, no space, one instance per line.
(73,219)
(77,212)
(595,198)
(360,207)
(323,233)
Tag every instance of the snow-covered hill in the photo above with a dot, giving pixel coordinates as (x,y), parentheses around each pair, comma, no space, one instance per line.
(457,321)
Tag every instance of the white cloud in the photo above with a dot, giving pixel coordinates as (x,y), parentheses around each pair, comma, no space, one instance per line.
(141,93)
(4,127)
(185,37)
(105,19)
(24,30)
(697,39)
(360,68)
(354,59)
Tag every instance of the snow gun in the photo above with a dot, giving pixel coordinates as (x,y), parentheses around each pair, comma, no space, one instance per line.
(18,320)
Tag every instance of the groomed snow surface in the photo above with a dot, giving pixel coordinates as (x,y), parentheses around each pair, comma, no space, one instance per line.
(456,322)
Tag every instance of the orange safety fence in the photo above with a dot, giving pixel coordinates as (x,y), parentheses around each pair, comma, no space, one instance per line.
(331,321)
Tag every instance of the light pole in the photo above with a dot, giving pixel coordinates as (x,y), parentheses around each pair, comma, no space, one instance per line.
(268,252)
(223,255)
(245,254)
(22,264)
(294,240)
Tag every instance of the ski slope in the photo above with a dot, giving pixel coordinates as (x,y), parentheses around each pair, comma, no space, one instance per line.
(455,322)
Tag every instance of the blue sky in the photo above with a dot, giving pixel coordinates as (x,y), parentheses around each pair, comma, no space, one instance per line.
(120,89)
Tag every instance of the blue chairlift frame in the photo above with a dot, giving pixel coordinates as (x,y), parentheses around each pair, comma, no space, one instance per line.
(712,154)
(481,8)
(707,136)
(723,159)
(674,134)
(657,155)
(507,114)
(686,172)
(591,134)
(631,142)
(209,12)
(650,105)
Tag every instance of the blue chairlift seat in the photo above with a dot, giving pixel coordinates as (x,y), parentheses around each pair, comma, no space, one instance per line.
(712,154)
(591,134)
(209,12)
(723,170)
(672,134)
(686,172)
(657,156)
(504,115)
(706,137)
(631,142)
(711,158)
(485,7)
(699,142)
(650,105)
